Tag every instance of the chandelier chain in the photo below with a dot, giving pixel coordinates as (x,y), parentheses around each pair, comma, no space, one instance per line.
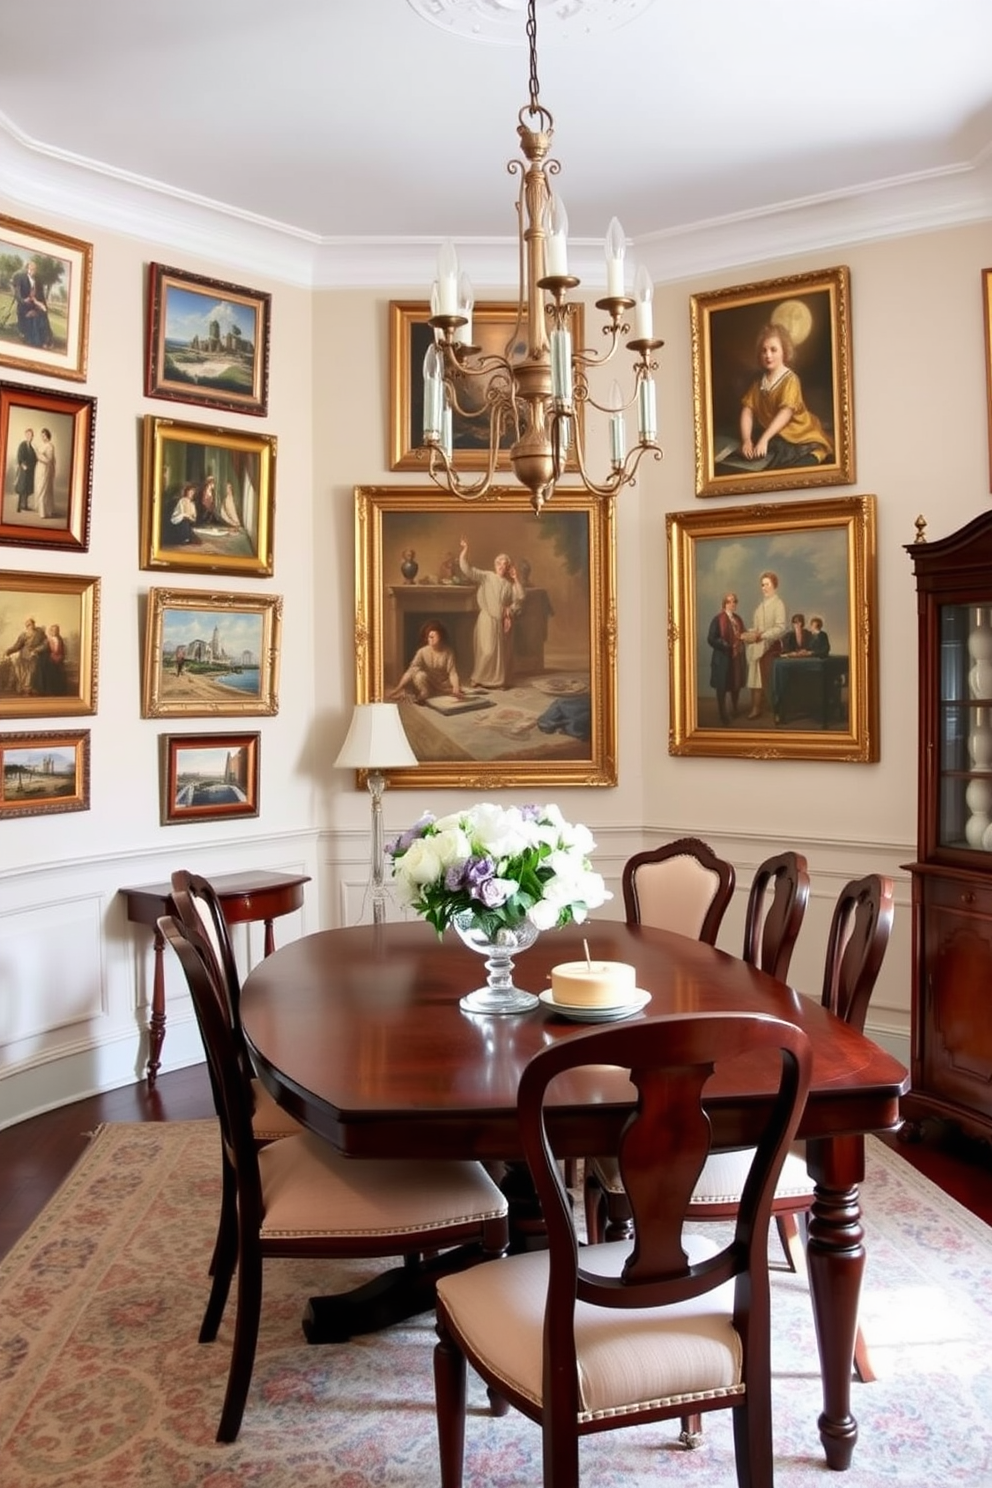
(535,86)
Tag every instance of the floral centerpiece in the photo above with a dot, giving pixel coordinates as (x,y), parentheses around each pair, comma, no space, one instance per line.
(500,866)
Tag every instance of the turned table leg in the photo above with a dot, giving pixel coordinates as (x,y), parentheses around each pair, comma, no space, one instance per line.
(156,1023)
(836,1258)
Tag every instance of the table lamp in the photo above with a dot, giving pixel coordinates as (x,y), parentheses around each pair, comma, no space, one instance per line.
(376,741)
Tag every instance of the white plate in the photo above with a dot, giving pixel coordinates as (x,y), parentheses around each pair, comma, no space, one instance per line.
(597,1014)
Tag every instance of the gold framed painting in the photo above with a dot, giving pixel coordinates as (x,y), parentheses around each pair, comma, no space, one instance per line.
(209,777)
(210,655)
(207,342)
(207,499)
(494,631)
(496,332)
(44,773)
(49,629)
(772,385)
(773,652)
(44,300)
(46,468)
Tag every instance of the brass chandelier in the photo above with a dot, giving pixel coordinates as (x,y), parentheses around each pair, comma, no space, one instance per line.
(535,393)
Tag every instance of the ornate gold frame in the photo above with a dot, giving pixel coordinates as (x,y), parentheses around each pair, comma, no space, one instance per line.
(30,241)
(213,388)
(42,803)
(225,446)
(389,519)
(725,325)
(71,601)
(712,553)
(184,615)
(493,323)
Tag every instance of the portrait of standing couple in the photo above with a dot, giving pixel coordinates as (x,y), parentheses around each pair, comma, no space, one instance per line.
(39,447)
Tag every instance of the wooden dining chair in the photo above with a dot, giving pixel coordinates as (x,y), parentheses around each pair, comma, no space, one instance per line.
(859,934)
(298,1197)
(593,1338)
(197,905)
(776,905)
(680,886)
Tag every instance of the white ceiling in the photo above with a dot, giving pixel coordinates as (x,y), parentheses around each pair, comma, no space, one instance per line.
(356,127)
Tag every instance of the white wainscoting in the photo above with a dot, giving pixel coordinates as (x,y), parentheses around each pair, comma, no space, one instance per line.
(76,976)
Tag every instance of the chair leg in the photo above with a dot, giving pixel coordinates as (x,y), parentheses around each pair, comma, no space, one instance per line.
(243,1351)
(793,1241)
(592,1196)
(862,1360)
(449,1395)
(691,1434)
(227,1224)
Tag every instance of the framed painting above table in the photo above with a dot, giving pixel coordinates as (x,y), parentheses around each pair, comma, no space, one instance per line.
(513,616)
(773,649)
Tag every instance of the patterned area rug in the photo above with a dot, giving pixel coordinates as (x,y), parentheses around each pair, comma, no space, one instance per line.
(103,1384)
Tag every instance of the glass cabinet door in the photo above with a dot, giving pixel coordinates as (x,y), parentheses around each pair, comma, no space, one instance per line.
(965,728)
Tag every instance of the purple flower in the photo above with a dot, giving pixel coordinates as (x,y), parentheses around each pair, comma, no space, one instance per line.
(400,844)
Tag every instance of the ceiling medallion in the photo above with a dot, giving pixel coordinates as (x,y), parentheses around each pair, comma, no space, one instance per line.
(499,21)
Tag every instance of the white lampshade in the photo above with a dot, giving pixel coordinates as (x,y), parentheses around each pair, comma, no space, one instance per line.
(376,740)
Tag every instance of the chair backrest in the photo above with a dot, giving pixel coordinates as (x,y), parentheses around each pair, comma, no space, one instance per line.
(231,1087)
(661,1154)
(680,886)
(197,907)
(859,934)
(775,908)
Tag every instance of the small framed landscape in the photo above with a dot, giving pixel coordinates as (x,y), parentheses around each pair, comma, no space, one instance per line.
(207,499)
(44,300)
(49,629)
(208,342)
(46,461)
(210,655)
(772,385)
(494,631)
(209,777)
(44,773)
(494,329)
(773,651)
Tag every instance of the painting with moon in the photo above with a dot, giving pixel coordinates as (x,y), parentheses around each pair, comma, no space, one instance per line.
(772,385)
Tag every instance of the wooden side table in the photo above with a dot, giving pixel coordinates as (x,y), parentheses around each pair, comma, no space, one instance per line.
(243,896)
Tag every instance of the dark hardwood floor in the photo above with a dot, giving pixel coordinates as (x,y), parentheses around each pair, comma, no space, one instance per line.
(35,1155)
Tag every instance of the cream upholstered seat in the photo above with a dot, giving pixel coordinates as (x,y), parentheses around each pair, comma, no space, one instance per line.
(681,886)
(856,944)
(600,1337)
(299,1197)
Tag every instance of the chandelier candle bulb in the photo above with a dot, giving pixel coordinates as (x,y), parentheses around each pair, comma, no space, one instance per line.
(604,984)
(643,295)
(616,247)
(447,279)
(555,223)
(647,411)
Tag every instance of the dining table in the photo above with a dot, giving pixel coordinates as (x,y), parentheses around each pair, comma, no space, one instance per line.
(358,1033)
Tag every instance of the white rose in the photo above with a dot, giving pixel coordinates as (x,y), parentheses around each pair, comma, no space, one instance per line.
(420,864)
(543,914)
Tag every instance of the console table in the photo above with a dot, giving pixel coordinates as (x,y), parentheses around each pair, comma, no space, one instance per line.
(244,897)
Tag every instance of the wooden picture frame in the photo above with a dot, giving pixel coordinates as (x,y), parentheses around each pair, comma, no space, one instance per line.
(815,447)
(208,342)
(44,325)
(54,673)
(210,655)
(209,777)
(207,499)
(555,722)
(494,327)
(46,468)
(41,774)
(987,307)
(814,559)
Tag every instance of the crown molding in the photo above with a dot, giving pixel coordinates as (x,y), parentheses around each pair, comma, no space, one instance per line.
(41,179)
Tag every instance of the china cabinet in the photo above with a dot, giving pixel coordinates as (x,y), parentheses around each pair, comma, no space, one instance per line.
(952,877)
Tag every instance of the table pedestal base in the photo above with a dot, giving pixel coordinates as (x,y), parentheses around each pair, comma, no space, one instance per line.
(403,1292)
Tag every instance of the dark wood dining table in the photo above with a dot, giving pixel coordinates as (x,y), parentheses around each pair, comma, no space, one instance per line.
(358,1033)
